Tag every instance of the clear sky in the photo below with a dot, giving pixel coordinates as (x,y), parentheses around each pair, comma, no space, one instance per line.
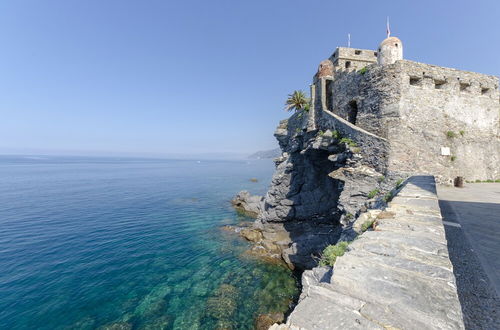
(161,77)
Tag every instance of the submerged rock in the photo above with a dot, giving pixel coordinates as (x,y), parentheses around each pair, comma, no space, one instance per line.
(264,321)
(223,303)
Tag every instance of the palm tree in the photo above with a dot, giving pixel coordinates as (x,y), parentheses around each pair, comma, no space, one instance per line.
(297,101)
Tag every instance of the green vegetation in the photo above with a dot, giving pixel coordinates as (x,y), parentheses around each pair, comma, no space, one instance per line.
(349,216)
(367,224)
(462,132)
(320,133)
(452,158)
(336,135)
(363,70)
(485,181)
(373,193)
(331,252)
(297,101)
(349,142)
(388,197)
(451,134)
(399,182)
(381,179)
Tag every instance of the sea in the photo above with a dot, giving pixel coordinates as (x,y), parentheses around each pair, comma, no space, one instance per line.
(129,243)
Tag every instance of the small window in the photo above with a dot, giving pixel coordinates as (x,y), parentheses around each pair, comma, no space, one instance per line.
(415,81)
(376,54)
(396,45)
(357,52)
(347,64)
(439,84)
(464,87)
(485,90)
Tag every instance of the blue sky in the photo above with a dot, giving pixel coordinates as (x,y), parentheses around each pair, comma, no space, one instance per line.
(173,77)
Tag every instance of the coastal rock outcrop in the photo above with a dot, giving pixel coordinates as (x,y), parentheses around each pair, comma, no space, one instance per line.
(321,184)
(251,205)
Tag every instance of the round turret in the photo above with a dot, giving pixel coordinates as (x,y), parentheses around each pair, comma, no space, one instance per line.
(389,51)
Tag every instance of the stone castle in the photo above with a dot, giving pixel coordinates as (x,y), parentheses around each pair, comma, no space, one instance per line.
(410,117)
(376,127)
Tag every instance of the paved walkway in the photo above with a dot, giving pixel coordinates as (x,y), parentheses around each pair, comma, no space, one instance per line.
(395,277)
(476,207)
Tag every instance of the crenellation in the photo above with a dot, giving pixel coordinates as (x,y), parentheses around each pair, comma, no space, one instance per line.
(413,106)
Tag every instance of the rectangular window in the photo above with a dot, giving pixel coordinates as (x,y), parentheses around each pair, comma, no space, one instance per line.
(464,87)
(347,64)
(357,52)
(415,81)
(439,84)
(485,91)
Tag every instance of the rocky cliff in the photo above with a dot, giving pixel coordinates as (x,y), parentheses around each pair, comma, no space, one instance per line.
(323,181)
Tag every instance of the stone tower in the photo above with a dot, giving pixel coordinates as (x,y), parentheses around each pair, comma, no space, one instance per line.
(389,51)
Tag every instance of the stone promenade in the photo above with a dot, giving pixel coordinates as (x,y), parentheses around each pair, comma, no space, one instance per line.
(398,276)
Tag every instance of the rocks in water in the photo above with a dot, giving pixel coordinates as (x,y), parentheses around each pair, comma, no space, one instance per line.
(117,326)
(254,180)
(250,205)
(222,305)
(264,321)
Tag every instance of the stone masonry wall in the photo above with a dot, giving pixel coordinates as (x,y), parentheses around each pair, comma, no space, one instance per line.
(450,109)
(436,120)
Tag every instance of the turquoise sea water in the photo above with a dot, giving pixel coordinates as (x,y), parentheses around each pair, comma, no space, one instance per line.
(88,243)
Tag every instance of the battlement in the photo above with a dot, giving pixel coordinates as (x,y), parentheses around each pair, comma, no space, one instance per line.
(351,59)
(436,120)
(448,80)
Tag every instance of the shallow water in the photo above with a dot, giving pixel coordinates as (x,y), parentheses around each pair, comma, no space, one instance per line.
(131,244)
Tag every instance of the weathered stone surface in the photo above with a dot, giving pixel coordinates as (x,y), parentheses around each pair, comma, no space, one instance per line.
(398,276)
(251,205)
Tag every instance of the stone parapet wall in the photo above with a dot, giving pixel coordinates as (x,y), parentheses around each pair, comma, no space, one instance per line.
(373,148)
(397,276)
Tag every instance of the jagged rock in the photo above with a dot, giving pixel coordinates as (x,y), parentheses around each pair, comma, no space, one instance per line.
(250,205)
(252,235)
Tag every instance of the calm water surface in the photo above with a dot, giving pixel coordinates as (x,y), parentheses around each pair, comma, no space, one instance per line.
(88,243)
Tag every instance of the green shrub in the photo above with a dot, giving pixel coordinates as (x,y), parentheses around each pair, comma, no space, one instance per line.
(331,252)
(497,180)
(349,216)
(336,135)
(399,182)
(349,142)
(388,197)
(462,132)
(452,158)
(490,181)
(373,193)
(450,134)
(363,70)
(381,179)
(477,181)
(320,133)
(367,224)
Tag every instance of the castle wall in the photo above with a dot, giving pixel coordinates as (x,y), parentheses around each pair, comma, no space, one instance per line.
(443,109)
(437,120)
(369,100)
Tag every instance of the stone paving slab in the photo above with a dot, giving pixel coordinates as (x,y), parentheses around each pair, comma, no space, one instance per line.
(398,276)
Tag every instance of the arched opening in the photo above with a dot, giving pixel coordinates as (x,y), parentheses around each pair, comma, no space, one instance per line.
(353,112)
